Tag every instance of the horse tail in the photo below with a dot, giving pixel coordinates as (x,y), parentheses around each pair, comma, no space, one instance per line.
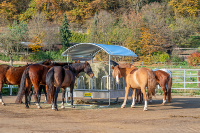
(151,82)
(49,83)
(169,85)
(22,88)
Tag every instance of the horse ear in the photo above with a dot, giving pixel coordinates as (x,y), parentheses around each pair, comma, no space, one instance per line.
(78,61)
(112,67)
(86,62)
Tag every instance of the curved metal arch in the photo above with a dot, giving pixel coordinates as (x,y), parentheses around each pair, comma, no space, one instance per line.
(89,50)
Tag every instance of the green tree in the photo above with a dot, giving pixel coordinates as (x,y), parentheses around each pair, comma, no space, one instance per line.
(12,39)
(64,32)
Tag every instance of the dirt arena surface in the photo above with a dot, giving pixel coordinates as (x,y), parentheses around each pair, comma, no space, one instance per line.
(182,115)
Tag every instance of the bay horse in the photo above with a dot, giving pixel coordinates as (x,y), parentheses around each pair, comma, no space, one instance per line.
(136,79)
(12,75)
(63,77)
(34,75)
(164,79)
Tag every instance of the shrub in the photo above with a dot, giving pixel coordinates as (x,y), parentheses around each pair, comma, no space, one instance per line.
(194,59)
(160,57)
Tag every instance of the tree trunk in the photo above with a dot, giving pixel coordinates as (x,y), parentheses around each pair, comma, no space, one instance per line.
(11,61)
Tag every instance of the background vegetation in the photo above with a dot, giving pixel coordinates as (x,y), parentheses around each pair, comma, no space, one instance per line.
(150,28)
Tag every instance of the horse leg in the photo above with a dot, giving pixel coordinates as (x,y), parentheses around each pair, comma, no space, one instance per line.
(26,98)
(140,93)
(71,94)
(30,95)
(165,94)
(39,92)
(45,93)
(55,98)
(133,97)
(145,98)
(137,95)
(36,88)
(126,96)
(1,100)
(63,98)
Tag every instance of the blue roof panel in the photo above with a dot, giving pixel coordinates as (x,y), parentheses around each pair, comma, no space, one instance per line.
(89,50)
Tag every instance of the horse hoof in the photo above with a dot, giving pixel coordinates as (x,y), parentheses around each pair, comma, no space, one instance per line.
(145,109)
(132,106)
(72,106)
(27,107)
(122,106)
(163,103)
(62,107)
(3,104)
(39,107)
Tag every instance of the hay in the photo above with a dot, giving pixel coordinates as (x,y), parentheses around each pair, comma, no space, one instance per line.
(99,69)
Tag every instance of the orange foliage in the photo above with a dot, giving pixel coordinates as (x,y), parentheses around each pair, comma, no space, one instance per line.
(194,59)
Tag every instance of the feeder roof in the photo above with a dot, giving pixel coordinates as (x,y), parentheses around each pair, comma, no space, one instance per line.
(86,51)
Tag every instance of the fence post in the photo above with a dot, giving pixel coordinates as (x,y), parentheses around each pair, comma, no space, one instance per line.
(198,79)
(184,78)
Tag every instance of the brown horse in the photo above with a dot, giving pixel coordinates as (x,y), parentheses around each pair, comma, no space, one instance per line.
(164,79)
(136,79)
(63,77)
(12,75)
(34,75)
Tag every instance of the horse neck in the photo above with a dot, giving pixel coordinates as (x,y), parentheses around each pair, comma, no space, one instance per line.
(77,68)
(125,71)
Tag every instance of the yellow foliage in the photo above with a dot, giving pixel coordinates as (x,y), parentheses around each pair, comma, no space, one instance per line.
(185,7)
(37,43)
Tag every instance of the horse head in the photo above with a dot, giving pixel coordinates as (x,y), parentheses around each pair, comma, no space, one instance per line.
(88,69)
(116,73)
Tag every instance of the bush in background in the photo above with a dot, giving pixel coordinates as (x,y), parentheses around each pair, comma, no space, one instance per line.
(194,59)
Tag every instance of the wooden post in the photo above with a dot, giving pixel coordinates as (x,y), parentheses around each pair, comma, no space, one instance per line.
(198,79)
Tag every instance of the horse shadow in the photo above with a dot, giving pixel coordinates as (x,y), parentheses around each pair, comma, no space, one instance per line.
(179,103)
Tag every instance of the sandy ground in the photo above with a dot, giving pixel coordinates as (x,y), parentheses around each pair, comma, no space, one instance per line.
(182,115)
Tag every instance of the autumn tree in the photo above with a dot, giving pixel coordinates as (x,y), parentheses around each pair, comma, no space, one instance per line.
(185,7)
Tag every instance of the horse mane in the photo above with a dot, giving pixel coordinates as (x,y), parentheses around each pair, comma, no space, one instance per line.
(126,65)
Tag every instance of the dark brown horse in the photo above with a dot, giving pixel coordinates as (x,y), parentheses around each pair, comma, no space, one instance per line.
(62,77)
(34,75)
(12,75)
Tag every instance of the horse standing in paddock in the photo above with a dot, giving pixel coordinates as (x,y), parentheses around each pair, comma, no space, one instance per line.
(34,75)
(164,79)
(63,77)
(136,79)
(43,87)
(12,75)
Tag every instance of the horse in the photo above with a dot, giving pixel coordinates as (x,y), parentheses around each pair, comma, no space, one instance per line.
(12,75)
(136,79)
(34,75)
(63,77)
(164,79)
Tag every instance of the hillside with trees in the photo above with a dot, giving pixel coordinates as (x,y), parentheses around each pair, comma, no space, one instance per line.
(150,28)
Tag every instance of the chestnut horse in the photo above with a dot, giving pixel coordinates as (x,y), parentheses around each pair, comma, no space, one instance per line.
(63,77)
(164,79)
(12,75)
(34,75)
(136,79)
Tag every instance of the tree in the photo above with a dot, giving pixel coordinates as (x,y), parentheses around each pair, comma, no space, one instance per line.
(64,32)
(11,40)
(185,7)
